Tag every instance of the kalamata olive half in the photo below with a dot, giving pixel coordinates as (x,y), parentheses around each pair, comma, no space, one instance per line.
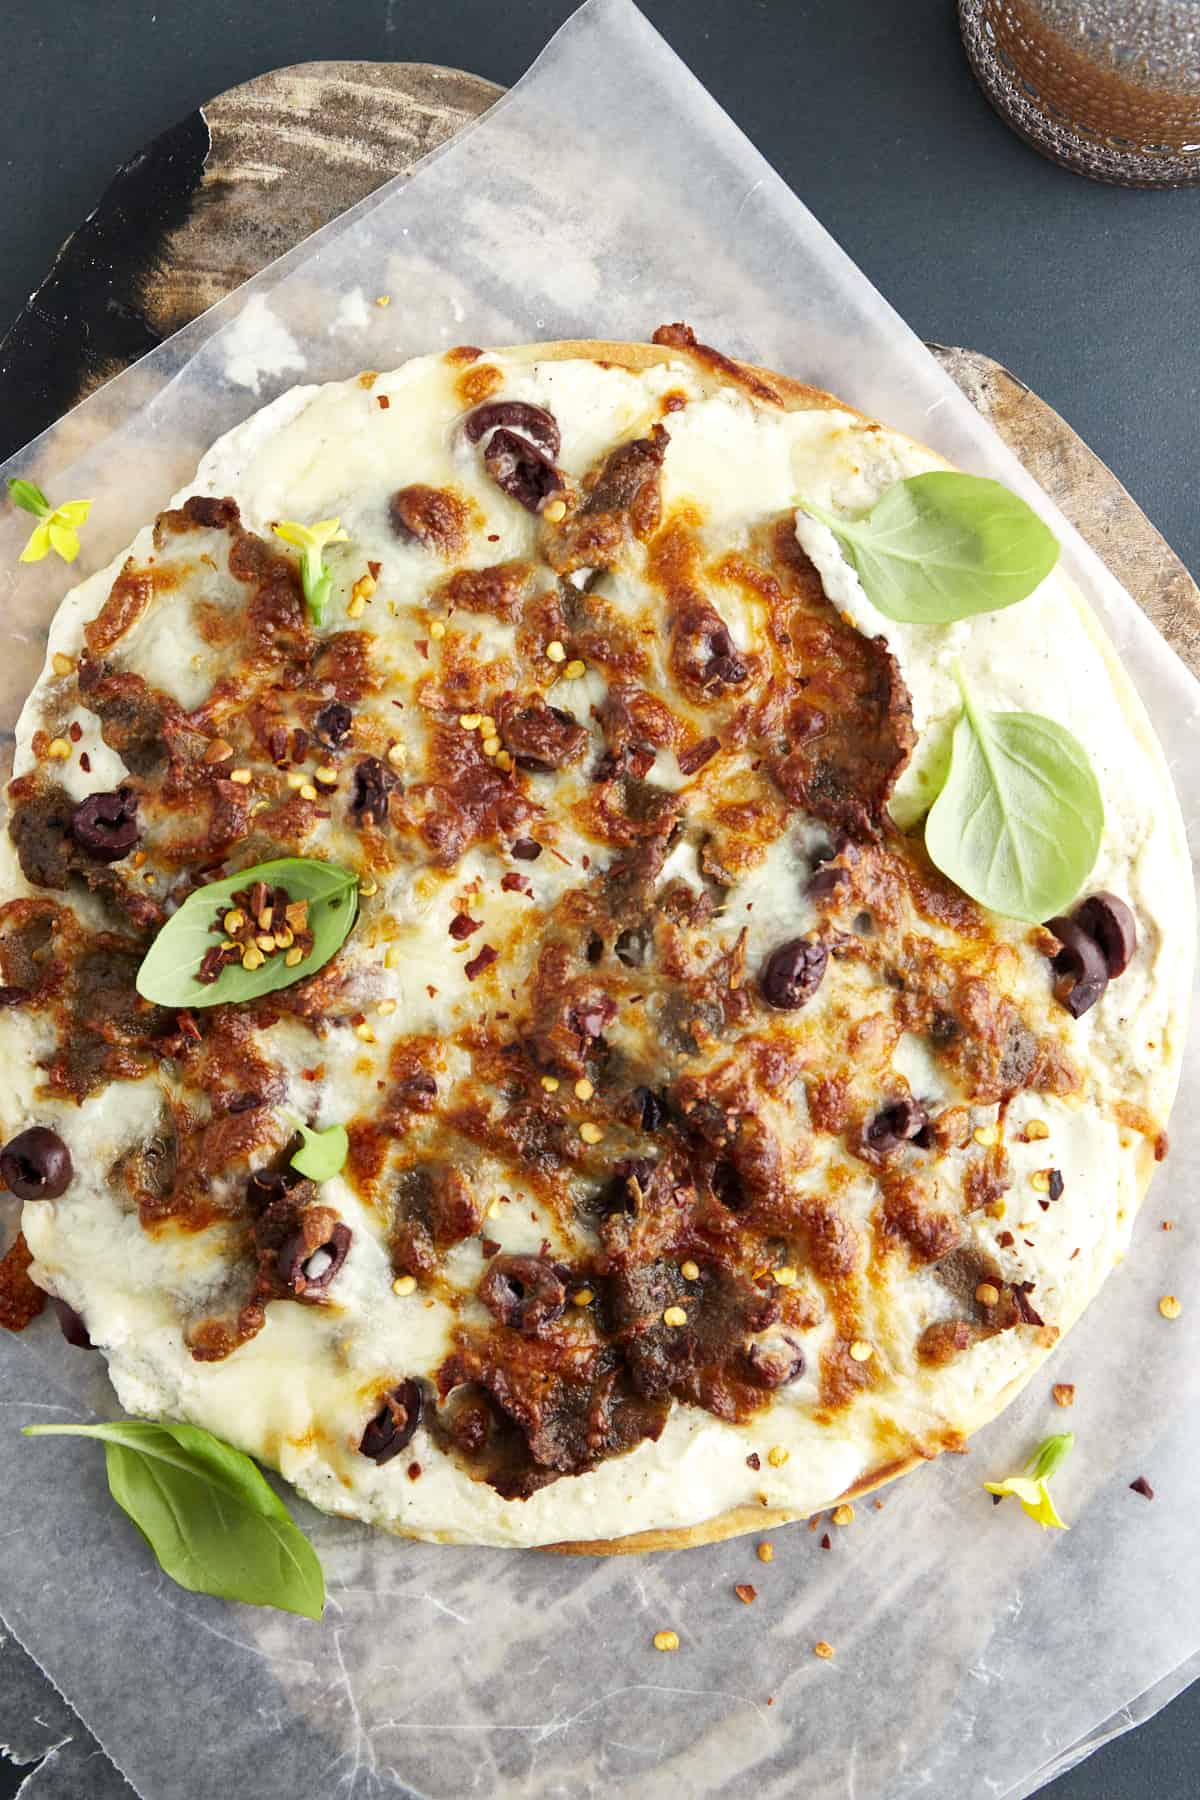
(333,723)
(308,1272)
(36,1164)
(105,825)
(523,1292)
(395,1424)
(1107,919)
(792,974)
(1080,966)
(530,421)
(521,471)
(265,1186)
(896,1124)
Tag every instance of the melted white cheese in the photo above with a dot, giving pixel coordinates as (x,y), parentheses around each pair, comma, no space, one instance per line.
(299,1393)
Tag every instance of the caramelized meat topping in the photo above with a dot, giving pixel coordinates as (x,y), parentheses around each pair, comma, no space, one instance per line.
(620,503)
(435,518)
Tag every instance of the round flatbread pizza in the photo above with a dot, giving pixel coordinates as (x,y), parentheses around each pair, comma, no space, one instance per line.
(512,1009)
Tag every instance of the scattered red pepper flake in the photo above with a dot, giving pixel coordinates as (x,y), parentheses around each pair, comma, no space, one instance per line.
(754,1461)
(746,1593)
(696,757)
(423,647)
(1142,1486)
(462,925)
(1005,1239)
(512,883)
(827,1542)
(487,956)
(75,731)
(383,401)
(414,1471)
(1064,1393)
(85,763)
(375,567)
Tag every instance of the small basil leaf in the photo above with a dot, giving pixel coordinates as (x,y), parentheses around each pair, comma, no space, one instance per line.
(168,972)
(212,1520)
(945,546)
(323,1153)
(1018,824)
(27,496)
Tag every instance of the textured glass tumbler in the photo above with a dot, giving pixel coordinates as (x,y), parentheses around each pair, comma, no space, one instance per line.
(1110,88)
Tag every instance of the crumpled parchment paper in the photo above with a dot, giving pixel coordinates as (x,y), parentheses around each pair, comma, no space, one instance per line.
(604,195)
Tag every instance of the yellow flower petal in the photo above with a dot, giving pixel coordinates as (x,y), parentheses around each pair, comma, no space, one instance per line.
(63,539)
(1044,1512)
(73,512)
(1034,1497)
(292,533)
(38,545)
(329,531)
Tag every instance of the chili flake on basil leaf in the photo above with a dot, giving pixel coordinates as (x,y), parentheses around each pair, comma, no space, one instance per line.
(208,955)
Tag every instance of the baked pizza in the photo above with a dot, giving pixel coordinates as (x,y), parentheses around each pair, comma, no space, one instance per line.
(545,994)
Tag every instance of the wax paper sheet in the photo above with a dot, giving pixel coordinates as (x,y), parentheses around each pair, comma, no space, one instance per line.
(974,1655)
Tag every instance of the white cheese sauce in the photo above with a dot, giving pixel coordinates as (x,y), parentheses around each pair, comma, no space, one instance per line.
(299,1393)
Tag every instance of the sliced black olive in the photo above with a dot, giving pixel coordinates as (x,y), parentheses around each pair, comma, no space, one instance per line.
(1080,965)
(896,1124)
(265,1186)
(333,723)
(373,782)
(395,1424)
(526,849)
(792,974)
(36,1164)
(523,1292)
(105,825)
(532,422)
(1107,919)
(307,1272)
(521,471)
(823,883)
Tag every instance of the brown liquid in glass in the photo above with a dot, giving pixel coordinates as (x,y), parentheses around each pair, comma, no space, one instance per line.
(1111,88)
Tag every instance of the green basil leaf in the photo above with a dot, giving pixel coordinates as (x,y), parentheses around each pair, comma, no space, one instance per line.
(945,546)
(30,498)
(1018,824)
(323,1153)
(168,971)
(212,1520)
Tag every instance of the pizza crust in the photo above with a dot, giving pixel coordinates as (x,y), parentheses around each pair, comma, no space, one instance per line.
(791,395)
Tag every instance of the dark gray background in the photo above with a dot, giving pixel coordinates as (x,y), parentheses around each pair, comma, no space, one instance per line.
(1090,294)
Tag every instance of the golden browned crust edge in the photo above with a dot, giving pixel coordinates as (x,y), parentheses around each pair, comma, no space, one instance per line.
(794,396)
